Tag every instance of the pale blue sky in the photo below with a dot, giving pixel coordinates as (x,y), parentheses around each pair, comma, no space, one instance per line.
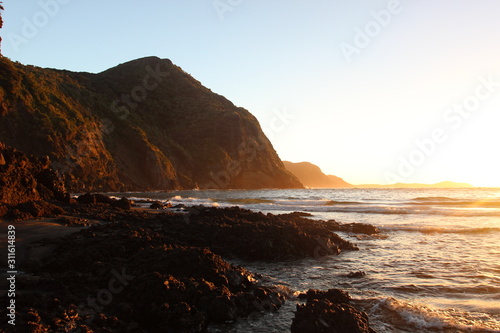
(357,116)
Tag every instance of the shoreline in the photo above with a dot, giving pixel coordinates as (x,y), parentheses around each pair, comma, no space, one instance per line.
(28,234)
(178,255)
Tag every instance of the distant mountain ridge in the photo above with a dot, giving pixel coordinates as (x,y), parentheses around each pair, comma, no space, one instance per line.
(445,184)
(142,125)
(311,176)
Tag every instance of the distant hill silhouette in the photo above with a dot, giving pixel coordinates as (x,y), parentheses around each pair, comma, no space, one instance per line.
(142,125)
(445,184)
(311,176)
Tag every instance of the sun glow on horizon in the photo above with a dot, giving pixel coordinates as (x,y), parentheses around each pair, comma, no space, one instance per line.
(361,117)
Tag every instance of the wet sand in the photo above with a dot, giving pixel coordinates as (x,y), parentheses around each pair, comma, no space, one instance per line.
(29,237)
(31,233)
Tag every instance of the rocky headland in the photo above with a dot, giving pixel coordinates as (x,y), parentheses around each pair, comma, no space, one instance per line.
(142,125)
(311,176)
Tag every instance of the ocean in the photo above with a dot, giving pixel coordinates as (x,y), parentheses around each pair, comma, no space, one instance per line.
(434,268)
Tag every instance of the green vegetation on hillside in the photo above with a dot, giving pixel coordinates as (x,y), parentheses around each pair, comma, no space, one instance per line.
(145,124)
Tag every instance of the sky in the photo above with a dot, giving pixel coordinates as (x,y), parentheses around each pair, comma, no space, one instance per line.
(371,91)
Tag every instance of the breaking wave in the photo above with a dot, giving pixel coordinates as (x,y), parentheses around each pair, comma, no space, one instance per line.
(445,201)
(443,230)
(412,317)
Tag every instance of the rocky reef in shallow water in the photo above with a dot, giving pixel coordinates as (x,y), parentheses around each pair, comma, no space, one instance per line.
(135,271)
(329,312)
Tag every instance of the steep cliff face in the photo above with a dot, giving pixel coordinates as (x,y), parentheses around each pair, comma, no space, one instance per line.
(311,176)
(142,125)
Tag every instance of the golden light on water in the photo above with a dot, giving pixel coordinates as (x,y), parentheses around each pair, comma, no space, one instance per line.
(485,203)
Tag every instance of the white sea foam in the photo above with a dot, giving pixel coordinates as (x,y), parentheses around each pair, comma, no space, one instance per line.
(301,203)
(193,201)
(442,230)
(418,317)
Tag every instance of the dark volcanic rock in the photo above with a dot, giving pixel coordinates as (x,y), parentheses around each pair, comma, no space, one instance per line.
(74,222)
(356,228)
(159,288)
(329,312)
(183,287)
(27,178)
(333,295)
(267,237)
(87,199)
(144,272)
(101,198)
(50,184)
(255,236)
(231,232)
(93,199)
(34,209)
(157,205)
(355,275)
(123,203)
(4,209)
(26,184)
(297,214)
(363,228)
(326,317)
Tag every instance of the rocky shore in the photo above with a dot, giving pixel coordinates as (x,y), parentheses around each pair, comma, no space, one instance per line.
(130,270)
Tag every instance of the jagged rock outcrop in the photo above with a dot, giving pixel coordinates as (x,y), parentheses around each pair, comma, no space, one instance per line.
(154,286)
(26,182)
(27,178)
(329,312)
(311,176)
(142,125)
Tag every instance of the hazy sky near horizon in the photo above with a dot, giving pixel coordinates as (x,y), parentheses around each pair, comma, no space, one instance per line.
(371,91)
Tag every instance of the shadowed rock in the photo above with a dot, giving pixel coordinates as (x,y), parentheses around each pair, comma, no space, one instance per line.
(356,228)
(329,312)
(27,178)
